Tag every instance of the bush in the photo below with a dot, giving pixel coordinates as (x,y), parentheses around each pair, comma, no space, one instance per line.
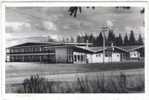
(37,84)
(113,84)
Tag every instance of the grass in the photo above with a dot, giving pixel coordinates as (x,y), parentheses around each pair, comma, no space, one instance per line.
(17,72)
(102,84)
(22,69)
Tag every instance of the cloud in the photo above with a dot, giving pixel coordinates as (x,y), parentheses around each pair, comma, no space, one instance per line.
(16,26)
(55,20)
(137,30)
(49,25)
(109,23)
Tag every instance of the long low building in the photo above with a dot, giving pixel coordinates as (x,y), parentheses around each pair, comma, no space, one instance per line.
(71,53)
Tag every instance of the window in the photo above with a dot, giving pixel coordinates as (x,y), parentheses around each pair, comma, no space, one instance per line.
(75,58)
(98,55)
(81,57)
(108,54)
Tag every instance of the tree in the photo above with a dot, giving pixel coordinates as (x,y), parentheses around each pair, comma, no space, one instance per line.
(140,40)
(71,39)
(132,40)
(119,40)
(86,38)
(91,38)
(111,37)
(126,41)
(79,39)
(99,40)
(73,11)
(67,40)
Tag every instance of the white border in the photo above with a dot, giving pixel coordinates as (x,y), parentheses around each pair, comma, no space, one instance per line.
(97,96)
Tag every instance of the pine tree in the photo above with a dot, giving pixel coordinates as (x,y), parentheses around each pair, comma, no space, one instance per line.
(132,40)
(91,38)
(140,40)
(119,40)
(71,39)
(78,39)
(63,40)
(99,40)
(111,37)
(126,41)
(86,38)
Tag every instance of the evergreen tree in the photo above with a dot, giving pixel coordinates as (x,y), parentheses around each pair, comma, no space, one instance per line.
(132,40)
(67,40)
(126,41)
(85,38)
(63,40)
(99,40)
(140,40)
(78,39)
(119,40)
(91,38)
(71,39)
(111,37)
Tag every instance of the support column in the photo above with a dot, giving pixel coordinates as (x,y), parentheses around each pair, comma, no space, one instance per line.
(40,57)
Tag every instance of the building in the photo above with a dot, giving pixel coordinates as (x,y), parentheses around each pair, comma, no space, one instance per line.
(135,52)
(42,52)
(112,54)
(71,53)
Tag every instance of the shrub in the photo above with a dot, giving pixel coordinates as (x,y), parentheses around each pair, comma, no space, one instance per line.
(113,84)
(37,84)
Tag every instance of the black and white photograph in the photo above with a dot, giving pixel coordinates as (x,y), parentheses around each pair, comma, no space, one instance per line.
(74,49)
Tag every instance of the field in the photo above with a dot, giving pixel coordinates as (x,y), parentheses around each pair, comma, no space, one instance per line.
(17,72)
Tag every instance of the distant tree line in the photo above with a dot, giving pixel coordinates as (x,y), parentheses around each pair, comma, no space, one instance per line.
(111,38)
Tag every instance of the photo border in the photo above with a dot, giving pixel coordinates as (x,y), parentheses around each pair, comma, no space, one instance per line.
(56,96)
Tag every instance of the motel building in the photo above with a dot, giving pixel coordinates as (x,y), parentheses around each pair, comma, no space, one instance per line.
(77,53)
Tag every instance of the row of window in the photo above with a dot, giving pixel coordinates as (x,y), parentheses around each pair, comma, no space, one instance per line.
(79,58)
(31,50)
(33,58)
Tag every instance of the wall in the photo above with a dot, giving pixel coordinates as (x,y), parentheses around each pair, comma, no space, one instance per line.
(61,55)
(79,57)
(98,58)
(134,54)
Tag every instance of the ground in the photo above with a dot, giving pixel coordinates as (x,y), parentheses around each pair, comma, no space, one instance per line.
(17,72)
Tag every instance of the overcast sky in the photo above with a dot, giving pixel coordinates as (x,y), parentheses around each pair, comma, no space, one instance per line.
(26,24)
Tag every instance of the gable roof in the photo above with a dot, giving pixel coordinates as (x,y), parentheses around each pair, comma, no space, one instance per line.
(48,44)
(100,49)
(131,48)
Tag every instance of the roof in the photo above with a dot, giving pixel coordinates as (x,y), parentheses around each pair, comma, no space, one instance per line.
(80,46)
(48,44)
(131,48)
(120,48)
(100,49)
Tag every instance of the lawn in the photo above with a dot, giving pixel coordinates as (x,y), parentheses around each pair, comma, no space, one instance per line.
(20,68)
(17,72)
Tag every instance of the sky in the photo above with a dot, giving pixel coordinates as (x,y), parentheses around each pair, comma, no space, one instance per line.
(35,24)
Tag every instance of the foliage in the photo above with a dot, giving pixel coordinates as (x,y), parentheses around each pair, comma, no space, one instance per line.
(113,84)
(73,11)
(111,38)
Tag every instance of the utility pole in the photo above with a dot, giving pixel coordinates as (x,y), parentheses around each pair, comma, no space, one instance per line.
(104,29)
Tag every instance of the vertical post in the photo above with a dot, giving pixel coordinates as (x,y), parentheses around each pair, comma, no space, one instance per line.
(104,29)
(103,47)
(86,44)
